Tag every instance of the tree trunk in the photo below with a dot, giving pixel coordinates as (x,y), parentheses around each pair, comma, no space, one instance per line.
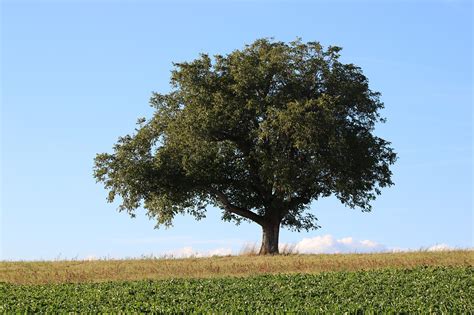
(271,231)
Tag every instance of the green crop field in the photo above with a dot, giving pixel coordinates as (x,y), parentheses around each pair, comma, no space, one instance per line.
(421,289)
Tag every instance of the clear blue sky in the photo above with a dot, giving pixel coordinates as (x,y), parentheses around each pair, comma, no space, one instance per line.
(75,75)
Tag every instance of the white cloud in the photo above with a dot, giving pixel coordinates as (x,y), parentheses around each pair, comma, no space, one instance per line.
(188,251)
(439,247)
(324,244)
(399,249)
(220,252)
(90,258)
(328,244)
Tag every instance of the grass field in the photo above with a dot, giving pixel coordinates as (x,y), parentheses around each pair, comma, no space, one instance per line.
(43,272)
(427,282)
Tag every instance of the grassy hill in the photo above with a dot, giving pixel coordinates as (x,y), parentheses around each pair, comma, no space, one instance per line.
(43,272)
(427,282)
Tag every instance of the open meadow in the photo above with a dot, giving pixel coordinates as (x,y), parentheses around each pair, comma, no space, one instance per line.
(441,282)
(75,271)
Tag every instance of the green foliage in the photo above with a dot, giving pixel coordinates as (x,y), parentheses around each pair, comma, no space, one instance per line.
(261,132)
(421,290)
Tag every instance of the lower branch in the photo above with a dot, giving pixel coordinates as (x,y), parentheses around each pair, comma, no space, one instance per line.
(234,209)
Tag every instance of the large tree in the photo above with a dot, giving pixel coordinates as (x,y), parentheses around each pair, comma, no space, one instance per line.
(260,133)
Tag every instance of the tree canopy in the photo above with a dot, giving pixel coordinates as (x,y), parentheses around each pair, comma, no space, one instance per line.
(261,133)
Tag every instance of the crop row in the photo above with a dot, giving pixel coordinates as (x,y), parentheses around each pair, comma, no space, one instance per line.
(424,289)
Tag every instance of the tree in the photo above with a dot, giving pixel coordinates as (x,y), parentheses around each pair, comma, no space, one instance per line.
(261,133)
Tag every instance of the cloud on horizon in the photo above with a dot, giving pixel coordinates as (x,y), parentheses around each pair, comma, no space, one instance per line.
(440,247)
(324,244)
(327,244)
(188,251)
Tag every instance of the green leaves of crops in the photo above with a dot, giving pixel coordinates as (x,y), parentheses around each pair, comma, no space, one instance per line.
(423,289)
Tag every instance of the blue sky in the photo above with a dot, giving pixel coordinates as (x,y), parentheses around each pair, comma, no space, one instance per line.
(75,75)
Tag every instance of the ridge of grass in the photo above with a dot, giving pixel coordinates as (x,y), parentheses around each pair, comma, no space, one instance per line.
(80,271)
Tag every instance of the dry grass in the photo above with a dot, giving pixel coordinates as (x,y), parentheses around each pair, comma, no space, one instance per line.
(244,265)
(253,249)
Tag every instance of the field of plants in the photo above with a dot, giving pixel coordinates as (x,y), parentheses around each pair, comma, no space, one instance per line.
(422,289)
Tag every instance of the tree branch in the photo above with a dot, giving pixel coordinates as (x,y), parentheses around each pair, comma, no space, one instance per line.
(245,148)
(297,201)
(234,209)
